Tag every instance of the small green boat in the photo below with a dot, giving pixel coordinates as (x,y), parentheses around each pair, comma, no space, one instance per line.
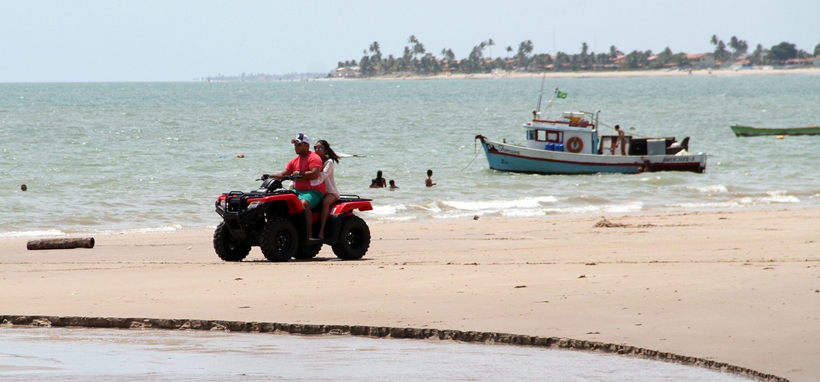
(748,131)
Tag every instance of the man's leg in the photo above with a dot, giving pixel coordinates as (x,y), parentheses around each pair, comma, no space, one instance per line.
(306,204)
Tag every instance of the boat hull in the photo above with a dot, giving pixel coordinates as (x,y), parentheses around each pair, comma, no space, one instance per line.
(748,131)
(513,158)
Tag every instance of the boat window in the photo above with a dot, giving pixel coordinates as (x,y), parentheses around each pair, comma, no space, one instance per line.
(549,136)
(530,134)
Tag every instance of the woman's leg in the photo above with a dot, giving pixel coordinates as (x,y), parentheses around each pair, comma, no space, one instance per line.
(326,202)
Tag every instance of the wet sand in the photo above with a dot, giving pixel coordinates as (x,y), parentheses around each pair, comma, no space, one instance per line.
(738,287)
(48,354)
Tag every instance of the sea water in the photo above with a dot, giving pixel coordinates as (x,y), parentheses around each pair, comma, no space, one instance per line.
(152,355)
(141,157)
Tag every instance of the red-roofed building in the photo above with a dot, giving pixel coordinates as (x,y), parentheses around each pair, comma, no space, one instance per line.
(812,61)
(701,60)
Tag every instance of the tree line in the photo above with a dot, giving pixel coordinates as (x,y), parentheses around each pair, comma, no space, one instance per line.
(415,59)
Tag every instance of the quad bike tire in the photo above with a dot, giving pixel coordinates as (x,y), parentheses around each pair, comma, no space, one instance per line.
(227,246)
(307,251)
(279,240)
(354,239)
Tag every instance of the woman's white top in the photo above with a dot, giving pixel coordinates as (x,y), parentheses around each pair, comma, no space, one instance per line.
(327,176)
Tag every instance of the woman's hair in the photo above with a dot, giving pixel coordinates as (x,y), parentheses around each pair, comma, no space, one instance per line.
(328,151)
(379,174)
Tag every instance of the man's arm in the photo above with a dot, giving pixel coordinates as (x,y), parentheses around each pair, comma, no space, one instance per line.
(312,174)
(278,175)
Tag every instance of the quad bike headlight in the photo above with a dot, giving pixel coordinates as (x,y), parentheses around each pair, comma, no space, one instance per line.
(253,205)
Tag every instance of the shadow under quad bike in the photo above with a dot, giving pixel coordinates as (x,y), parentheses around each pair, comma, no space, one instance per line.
(274,219)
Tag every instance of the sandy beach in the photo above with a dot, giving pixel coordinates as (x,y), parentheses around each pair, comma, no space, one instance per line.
(741,287)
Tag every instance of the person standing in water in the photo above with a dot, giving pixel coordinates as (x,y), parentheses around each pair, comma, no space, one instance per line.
(323,150)
(379,181)
(429,181)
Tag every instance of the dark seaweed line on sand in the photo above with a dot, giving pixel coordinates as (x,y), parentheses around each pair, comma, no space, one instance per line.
(380,332)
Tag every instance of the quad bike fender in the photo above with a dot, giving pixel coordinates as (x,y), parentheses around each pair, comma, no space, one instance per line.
(346,207)
(294,204)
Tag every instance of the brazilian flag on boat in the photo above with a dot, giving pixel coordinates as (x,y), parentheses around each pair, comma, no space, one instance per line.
(561,95)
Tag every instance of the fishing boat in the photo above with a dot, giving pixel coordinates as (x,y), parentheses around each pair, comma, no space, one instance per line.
(748,131)
(571,144)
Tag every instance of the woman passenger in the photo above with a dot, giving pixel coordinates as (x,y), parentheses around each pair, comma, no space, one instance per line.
(323,150)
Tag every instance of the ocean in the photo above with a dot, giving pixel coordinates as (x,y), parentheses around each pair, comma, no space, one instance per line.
(101,158)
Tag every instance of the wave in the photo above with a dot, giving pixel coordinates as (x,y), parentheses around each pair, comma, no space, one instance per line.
(711,189)
(532,202)
(27,234)
(779,197)
(96,232)
(519,208)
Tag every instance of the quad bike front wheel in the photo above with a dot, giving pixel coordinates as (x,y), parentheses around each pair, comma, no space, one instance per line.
(354,239)
(227,246)
(279,240)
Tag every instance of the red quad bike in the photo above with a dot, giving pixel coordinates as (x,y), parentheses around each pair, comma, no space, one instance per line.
(273,218)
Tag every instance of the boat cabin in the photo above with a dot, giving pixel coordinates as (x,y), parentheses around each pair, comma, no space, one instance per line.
(572,132)
(643,146)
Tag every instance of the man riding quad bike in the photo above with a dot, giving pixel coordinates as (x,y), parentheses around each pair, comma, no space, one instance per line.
(274,219)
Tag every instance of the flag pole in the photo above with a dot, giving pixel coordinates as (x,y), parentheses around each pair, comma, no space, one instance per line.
(549,104)
(541,93)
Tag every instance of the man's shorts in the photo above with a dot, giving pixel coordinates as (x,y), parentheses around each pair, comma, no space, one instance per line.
(312,196)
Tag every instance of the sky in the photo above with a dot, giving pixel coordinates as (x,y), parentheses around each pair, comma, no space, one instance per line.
(183,40)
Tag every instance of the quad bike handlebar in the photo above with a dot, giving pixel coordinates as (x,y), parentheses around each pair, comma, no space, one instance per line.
(284,177)
(271,184)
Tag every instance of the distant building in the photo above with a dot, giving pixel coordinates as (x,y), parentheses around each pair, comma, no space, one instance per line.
(701,60)
(345,72)
(741,63)
(620,60)
(812,61)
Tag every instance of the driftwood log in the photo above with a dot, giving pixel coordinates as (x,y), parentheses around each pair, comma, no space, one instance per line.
(65,243)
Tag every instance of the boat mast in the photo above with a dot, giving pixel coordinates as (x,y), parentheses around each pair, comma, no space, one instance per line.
(597,114)
(538,109)
(541,93)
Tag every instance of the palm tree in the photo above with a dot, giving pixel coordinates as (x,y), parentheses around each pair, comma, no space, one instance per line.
(614,53)
(524,49)
(739,47)
(491,44)
(418,49)
(509,50)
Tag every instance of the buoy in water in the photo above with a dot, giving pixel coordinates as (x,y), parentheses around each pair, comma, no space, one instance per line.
(240,155)
(781,136)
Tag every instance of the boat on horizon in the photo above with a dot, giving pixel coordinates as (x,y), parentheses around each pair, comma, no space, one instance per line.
(571,144)
(749,131)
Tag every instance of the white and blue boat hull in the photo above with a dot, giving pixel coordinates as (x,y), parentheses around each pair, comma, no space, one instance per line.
(514,158)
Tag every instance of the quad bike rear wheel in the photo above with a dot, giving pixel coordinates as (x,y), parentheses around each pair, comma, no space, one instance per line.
(279,240)
(354,239)
(227,246)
